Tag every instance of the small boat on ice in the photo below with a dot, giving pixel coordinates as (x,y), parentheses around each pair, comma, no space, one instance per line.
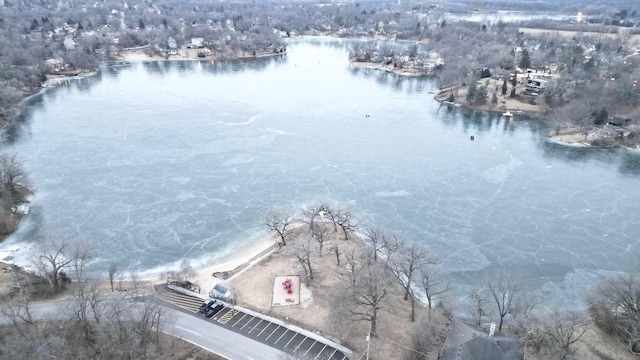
(508,113)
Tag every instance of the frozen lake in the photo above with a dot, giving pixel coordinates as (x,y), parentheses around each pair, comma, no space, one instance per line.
(165,160)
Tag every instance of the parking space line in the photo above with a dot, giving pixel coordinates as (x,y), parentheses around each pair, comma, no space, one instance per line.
(183,299)
(290,340)
(319,353)
(183,307)
(275,343)
(261,320)
(184,303)
(303,340)
(274,330)
(265,328)
(305,353)
(236,323)
(247,323)
(223,312)
(333,353)
(228,316)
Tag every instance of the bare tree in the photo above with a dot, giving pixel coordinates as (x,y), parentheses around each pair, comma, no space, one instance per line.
(406,261)
(433,285)
(336,250)
(17,309)
(371,288)
(479,304)
(377,238)
(522,315)
(54,256)
(614,306)
(428,337)
(524,305)
(354,262)
(313,213)
(320,234)
(343,218)
(280,223)
(553,337)
(113,271)
(504,294)
(403,264)
(14,180)
(302,252)
(391,245)
(186,272)
(565,331)
(81,252)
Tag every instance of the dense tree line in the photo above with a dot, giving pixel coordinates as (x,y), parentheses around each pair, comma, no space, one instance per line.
(82,34)
(91,322)
(15,188)
(615,307)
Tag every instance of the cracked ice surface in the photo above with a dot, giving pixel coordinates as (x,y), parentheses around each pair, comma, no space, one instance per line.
(162,161)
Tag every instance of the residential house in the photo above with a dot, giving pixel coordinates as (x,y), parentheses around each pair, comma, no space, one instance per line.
(69,43)
(197,43)
(619,120)
(172,46)
(55,64)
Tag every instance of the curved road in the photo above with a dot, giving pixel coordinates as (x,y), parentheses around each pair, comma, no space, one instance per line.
(217,339)
(193,329)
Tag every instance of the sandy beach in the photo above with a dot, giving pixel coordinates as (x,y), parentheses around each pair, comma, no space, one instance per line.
(251,255)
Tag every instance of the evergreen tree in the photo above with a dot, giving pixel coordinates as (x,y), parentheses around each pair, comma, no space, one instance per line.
(504,87)
(471,92)
(525,60)
(481,95)
(494,98)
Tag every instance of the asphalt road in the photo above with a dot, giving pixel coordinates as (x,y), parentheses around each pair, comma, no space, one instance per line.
(196,330)
(217,339)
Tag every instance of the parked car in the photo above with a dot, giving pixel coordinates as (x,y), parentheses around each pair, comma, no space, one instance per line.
(213,310)
(206,305)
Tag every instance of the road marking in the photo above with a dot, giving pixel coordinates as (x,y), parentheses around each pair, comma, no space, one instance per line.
(305,353)
(274,330)
(227,316)
(236,323)
(188,308)
(294,336)
(321,350)
(247,323)
(265,328)
(261,320)
(333,353)
(303,339)
(275,343)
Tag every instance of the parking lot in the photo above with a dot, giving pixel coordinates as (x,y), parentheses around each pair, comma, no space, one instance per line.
(257,328)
